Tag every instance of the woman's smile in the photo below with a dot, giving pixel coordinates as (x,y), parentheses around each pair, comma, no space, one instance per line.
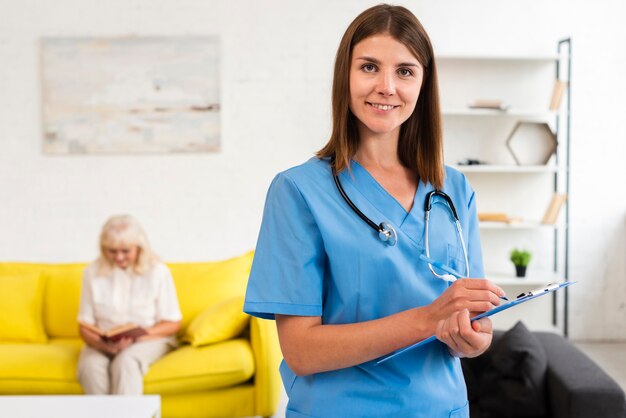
(383,107)
(385,81)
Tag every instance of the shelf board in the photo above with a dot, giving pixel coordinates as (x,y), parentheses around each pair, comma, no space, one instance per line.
(493,168)
(548,58)
(511,112)
(532,279)
(515,225)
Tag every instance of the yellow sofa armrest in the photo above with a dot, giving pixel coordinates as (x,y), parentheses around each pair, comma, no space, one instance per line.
(267,357)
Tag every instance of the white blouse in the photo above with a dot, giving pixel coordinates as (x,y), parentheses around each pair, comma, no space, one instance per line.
(123,297)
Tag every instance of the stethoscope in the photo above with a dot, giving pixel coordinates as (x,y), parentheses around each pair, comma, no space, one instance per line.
(388,234)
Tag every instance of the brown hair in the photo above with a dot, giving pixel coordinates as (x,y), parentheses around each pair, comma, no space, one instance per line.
(420,146)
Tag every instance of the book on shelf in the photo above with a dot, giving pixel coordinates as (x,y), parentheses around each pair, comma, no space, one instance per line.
(557,94)
(488,104)
(554,208)
(117,333)
(497,217)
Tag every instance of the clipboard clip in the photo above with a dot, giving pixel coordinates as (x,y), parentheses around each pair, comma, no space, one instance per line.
(549,287)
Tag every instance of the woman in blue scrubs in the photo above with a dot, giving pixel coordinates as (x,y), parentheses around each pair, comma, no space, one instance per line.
(341,297)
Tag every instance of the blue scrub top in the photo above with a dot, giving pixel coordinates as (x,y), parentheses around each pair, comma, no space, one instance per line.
(316,257)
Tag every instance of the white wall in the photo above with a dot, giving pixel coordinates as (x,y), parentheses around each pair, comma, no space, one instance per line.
(276,65)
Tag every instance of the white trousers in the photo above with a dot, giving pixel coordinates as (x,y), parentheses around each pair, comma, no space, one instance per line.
(121,374)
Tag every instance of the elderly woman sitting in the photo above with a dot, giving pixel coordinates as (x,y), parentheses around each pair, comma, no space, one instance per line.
(125,285)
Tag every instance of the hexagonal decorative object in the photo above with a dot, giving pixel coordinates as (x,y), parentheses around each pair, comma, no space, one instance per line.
(532,143)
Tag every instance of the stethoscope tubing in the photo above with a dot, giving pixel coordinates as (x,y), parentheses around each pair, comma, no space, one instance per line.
(459,231)
(353,206)
(388,234)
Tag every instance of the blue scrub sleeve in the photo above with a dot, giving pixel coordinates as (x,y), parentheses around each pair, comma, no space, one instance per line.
(474,249)
(288,269)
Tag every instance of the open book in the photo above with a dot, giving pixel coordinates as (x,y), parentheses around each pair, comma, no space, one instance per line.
(117,333)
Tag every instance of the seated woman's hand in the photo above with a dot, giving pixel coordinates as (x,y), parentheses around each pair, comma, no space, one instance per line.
(123,343)
(117,346)
(463,337)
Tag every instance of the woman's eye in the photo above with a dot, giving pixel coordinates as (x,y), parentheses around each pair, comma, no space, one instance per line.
(368,68)
(405,72)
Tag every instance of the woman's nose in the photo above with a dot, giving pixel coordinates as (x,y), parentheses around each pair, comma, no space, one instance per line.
(386,84)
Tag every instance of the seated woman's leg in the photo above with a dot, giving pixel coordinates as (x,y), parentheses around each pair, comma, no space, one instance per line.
(93,371)
(129,366)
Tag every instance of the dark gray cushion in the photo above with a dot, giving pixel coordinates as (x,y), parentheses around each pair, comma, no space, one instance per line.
(508,381)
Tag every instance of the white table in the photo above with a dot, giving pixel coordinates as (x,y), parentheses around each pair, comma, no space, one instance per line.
(80,406)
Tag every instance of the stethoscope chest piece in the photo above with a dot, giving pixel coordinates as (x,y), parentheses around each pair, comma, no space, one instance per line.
(387,234)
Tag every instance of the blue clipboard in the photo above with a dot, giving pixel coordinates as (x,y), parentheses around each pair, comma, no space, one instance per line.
(524,297)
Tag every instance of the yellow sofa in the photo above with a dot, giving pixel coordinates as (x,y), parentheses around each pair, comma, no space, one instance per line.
(39,342)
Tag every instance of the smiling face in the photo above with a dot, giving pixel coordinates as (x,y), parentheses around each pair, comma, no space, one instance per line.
(385,80)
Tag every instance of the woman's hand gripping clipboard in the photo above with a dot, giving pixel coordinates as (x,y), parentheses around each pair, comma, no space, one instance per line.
(522,298)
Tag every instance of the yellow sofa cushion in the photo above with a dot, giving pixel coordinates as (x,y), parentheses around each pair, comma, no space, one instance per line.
(219,322)
(188,369)
(200,285)
(28,368)
(62,298)
(21,298)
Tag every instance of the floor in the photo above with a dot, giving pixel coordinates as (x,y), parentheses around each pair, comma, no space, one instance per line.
(610,356)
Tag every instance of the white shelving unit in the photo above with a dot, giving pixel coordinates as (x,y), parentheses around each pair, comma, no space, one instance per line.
(524,83)
(533,281)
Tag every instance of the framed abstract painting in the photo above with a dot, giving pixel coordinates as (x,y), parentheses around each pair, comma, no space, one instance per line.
(130,95)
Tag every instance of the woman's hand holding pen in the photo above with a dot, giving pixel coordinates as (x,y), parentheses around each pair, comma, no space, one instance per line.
(475,295)
(451,312)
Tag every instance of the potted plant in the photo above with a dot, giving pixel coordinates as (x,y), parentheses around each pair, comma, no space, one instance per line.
(520,259)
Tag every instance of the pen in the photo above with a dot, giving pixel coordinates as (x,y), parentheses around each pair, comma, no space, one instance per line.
(441,266)
(451,272)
